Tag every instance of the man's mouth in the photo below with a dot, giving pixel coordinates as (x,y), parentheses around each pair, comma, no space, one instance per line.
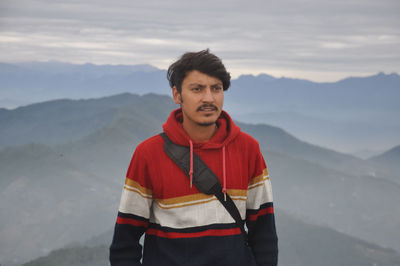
(208,108)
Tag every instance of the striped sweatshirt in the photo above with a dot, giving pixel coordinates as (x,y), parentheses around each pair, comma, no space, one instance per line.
(182,226)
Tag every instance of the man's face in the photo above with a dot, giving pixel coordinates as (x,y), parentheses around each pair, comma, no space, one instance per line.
(201,98)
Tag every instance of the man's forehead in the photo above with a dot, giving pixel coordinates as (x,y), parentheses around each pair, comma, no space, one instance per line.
(195,77)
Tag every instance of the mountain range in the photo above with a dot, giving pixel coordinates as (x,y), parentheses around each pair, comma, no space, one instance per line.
(357,115)
(63,162)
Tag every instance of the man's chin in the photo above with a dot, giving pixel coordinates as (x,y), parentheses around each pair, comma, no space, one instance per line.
(206,124)
(206,120)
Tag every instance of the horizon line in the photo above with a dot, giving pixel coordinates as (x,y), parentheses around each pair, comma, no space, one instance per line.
(234,77)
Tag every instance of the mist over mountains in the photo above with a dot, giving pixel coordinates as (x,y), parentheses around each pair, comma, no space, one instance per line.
(354,115)
(55,80)
(63,163)
(32,82)
(357,115)
(389,159)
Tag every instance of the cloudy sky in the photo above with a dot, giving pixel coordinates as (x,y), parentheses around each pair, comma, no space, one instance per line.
(314,39)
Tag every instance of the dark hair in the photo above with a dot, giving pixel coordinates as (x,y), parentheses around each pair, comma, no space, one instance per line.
(202,61)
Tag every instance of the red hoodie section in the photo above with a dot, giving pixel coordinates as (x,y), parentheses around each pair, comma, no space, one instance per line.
(227,131)
(168,180)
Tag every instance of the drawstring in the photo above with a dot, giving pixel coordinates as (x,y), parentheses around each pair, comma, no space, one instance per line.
(223,168)
(223,172)
(191,163)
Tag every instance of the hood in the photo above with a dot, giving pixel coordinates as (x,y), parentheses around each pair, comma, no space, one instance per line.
(226,132)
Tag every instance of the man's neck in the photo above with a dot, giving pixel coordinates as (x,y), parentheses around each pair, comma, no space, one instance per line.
(199,133)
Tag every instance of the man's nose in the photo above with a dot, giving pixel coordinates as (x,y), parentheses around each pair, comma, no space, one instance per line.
(208,95)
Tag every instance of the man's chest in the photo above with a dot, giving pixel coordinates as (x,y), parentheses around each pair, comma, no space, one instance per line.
(169,181)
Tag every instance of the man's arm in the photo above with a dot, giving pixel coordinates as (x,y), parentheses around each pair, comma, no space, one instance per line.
(260,218)
(133,213)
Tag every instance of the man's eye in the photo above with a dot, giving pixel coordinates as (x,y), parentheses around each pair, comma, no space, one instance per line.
(218,88)
(196,89)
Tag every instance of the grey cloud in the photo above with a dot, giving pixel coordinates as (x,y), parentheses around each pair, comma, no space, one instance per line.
(289,36)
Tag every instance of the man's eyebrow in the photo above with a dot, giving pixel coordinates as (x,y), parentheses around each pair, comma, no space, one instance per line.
(202,85)
(196,84)
(217,84)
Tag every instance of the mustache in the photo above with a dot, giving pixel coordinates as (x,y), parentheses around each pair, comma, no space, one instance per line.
(207,106)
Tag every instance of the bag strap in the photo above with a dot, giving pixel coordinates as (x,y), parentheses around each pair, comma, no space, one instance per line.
(203,178)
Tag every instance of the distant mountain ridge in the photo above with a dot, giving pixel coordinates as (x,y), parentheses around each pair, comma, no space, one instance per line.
(290,94)
(32,82)
(348,115)
(56,121)
(392,155)
(56,80)
(390,159)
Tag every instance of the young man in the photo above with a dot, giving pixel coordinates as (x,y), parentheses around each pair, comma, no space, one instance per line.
(183,226)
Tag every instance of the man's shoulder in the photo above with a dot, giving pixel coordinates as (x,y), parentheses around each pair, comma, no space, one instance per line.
(247,138)
(154,142)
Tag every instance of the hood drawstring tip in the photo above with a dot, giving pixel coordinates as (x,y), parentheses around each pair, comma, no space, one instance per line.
(223,172)
(191,163)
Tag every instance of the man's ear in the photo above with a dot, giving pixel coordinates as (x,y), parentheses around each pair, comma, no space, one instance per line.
(177,95)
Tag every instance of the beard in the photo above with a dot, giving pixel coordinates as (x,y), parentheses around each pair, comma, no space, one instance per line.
(206,124)
(202,124)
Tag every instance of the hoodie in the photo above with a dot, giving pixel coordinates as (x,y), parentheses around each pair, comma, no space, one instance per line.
(183,226)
